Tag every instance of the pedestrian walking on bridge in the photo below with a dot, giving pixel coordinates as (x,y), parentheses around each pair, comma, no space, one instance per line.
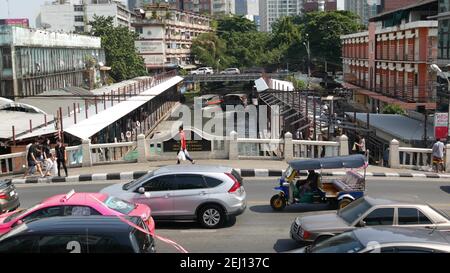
(438,156)
(183,154)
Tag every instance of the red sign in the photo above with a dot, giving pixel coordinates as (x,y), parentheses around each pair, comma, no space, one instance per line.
(440,125)
(15,22)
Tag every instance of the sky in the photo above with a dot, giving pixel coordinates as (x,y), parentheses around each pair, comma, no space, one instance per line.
(30,8)
(22,9)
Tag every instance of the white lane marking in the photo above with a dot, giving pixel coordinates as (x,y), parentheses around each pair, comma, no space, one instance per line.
(261,172)
(98,176)
(126,175)
(418,175)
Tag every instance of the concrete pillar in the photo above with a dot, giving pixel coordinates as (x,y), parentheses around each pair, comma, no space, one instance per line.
(288,147)
(343,145)
(447,158)
(233,147)
(87,156)
(142,148)
(394,156)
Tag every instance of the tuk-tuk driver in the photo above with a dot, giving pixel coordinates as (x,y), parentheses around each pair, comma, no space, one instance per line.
(308,184)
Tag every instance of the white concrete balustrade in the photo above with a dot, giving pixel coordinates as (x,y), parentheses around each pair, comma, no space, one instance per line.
(417,158)
(232,148)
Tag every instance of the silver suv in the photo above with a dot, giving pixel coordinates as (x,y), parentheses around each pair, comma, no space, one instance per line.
(208,194)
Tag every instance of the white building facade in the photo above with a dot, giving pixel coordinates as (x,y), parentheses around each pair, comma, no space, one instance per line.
(271,10)
(165,37)
(74,15)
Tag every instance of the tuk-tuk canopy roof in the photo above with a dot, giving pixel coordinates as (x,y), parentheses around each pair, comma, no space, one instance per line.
(350,161)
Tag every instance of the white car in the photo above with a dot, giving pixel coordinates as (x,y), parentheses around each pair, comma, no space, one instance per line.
(203,71)
(231,71)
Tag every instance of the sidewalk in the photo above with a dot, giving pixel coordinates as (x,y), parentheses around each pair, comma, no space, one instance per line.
(247,168)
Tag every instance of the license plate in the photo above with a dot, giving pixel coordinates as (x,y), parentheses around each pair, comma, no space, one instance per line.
(12,193)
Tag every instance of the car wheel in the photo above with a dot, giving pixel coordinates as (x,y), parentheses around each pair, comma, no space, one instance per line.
(211,216)
(344,202)
(277,202)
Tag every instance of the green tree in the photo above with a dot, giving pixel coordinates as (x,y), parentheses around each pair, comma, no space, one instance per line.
(323,30)
(120,51)
(208,49)
(234,24)
(393,109)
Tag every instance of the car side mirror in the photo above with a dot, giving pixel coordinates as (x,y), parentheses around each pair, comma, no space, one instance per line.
(141,190)
(361,223)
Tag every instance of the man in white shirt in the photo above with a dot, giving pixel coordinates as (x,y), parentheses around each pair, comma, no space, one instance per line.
(438,155)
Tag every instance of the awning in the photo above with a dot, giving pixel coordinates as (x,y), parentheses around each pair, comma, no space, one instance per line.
(89,127)
(388,100)
(261,85)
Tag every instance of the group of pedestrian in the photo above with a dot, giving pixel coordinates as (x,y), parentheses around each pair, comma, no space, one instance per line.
(40,158)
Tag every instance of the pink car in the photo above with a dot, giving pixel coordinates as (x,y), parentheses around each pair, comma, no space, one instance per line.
(79,204)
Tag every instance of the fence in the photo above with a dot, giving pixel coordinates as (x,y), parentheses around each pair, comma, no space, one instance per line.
(413,158)
(232,148)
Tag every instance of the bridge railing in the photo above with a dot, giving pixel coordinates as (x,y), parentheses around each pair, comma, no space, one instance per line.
(120,152)
(413,158)
(314,149)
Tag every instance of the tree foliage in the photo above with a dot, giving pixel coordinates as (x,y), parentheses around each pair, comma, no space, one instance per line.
(393,109)
(120,51)
(242,46)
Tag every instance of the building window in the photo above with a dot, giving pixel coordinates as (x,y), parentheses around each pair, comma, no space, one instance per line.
(6,57)
(79,29)
(78,7)
(139,30)
(79,18)
(444,39)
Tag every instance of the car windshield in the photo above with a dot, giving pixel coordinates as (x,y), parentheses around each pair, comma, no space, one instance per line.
(119,205)
(354,210)
(136,182)
(288,172)
(342,243)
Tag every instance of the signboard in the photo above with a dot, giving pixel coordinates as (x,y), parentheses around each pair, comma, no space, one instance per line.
(194,143)
(144,47)
(22,22)
(440,125)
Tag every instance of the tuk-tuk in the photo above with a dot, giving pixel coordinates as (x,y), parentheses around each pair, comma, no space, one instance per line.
(338,193)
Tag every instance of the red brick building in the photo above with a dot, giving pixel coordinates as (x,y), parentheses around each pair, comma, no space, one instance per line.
(390,63)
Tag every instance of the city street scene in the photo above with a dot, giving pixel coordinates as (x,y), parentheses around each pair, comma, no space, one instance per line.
(226,126)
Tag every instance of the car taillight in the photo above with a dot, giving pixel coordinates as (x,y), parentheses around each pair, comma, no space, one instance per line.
(236,184)
(305,234)
(3,196)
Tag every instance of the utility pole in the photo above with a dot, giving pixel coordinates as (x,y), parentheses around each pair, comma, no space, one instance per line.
(9,11)
(85,16)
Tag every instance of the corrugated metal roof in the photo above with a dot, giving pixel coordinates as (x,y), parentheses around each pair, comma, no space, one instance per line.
(91,126)
(399,126)
(86,128)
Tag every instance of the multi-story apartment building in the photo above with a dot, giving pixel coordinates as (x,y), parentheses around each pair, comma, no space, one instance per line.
(319,5)
(166,36)
(247,7)
(390,63)
(33,61)
(364,9)
(204,7)
(74,15)
(271,10)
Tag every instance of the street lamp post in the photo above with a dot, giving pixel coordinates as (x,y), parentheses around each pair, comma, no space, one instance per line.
(308,51)
(436,69)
